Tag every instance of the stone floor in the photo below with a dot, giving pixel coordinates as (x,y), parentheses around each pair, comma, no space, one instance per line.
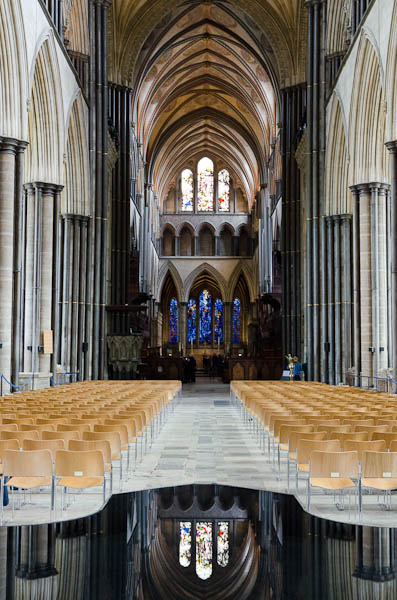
(204,440)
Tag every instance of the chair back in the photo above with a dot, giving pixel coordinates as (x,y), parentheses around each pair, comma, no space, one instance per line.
(19,435)
(22,421)
(379,464)
(121,429)
(74,427)
(8,445)
(79,464)
(361,447)
(334,464)
(37,427)
(51,445)
(11,427)
(86,445)
(305,448)
(373,429)
(295,436)
(60,435)
(350,435)
(113,437)
(287,430)
(356,422)
(34,463)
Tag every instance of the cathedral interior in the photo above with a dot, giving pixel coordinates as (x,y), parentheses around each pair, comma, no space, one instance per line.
(198,191)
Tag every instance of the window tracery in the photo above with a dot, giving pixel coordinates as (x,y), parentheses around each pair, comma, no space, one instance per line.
(174,318)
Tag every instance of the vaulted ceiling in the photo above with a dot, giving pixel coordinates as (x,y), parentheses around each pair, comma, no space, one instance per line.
(206,77)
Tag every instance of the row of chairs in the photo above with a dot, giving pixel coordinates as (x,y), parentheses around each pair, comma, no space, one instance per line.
(307,421)
(86,420)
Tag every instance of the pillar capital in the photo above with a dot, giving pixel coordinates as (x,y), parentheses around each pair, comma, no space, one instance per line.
(346,218)
(43,187)
(361,189)
(12,145)
(392,147)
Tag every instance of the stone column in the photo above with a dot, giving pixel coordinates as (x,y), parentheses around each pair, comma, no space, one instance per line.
(337,299)
(392,147)
(346,294)
(227,326)
(9,186)
(197,245)
(217,245)
(356,285)
(177,245)
(366,327)
(331,302)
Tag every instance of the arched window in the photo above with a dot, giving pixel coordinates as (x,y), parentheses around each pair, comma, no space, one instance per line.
(236,321)
(187,189)
(218,328)
(174,318)
(224,190)
(205,174)
(223,544)
(204,550)
(191,320)
(185,543)
(205,317)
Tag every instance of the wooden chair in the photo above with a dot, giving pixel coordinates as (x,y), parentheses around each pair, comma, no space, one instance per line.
(80,470)
(304,449)
(9,427)
(362,447)
(7,445)
(131,428)
(80,427)
(51,445)
(293,440)
(102,445)
(60,435)
(21,421)
(122,430)
(373,429)
(330,428)
(350,435)
(36,427)
(284,436)
(27,470)
(334,471)
(113,437)
(388,437)
(19,435)
(379,472)
(358,422)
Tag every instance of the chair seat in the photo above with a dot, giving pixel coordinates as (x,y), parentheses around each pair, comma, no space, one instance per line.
(303,467)
(292,455)
(80,482)
(283,446)
(381,483)
(28,483)
(332,483)
(116,456)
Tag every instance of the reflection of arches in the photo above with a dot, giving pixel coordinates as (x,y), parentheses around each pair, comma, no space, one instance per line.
(43,157)
(13,71)
(367,116)
(76,194)
(206,241)
(337,163)
(186,242)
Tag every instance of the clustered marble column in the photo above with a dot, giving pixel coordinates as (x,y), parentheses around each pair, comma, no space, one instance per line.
(392,147)
(293,106)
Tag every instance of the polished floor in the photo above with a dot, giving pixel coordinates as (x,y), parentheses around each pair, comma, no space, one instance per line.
(205,440)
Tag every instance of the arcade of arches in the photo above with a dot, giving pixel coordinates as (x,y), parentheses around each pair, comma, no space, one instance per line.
(205,177)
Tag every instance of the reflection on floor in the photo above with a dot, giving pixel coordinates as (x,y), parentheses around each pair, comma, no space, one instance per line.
(199,542)
(206,441)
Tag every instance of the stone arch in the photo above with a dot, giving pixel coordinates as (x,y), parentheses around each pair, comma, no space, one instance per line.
(243,271)
(14,74)
(200,270)
(186,241)
(169,269)
(391,88)
(76,193)
(367,117)
(338,200)
(226,234)
(43,157)
(168,240)
(185,225)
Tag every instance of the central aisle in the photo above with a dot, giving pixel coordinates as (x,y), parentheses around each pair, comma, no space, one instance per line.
(204,441)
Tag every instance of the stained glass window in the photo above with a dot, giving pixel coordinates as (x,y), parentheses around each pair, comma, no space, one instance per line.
(191,320)
(223,544)
(236,321)
(187,188)
(218,330)
(174,317)
(185,543)
(205,317)
(205,196)
(204,550)
(224,190)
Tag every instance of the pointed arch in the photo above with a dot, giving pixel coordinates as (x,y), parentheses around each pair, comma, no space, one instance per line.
(368,117)
(168,268)
(14,74)
(241,272)
(338,200)
(43,157)
(76,193)
(391,88)
(204,269)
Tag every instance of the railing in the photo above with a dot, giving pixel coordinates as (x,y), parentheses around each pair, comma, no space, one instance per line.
(73,377)
(55,10)
(333,63)
(373,382)
(80,63)
(359,8)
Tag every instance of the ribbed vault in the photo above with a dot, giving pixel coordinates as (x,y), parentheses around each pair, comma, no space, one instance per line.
(206,81)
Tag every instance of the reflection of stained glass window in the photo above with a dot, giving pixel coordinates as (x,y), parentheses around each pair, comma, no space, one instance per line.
(187,190)
(236,321)
(205,317)
(174,321)
(218,321)
(223,544)
(224,190)
(185,543)
(191,320)
(204,550)
(205,196)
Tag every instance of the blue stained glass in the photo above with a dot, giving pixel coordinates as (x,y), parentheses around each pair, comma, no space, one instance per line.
(236,321)
(205,317)
(218,321)
(191,321)
(174,318)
